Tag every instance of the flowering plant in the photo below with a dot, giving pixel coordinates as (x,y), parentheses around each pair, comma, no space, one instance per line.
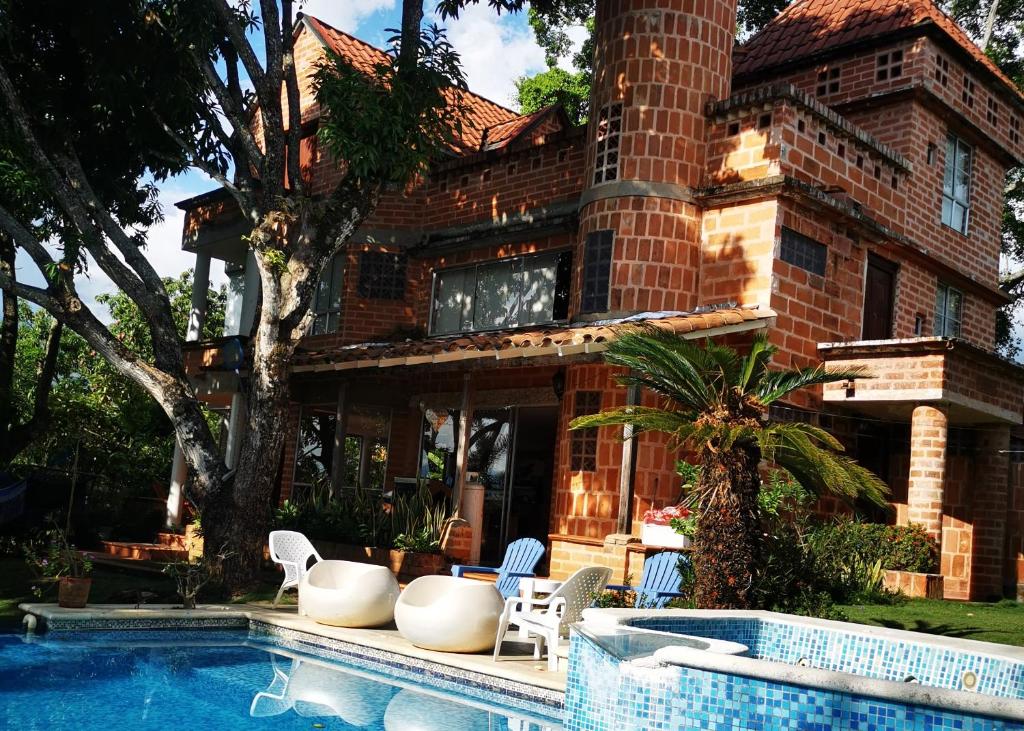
(53,557)
(665,516)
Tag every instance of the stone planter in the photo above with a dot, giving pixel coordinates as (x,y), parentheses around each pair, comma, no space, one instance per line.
(73,593)
(193,542)
(915,586)
(407,565)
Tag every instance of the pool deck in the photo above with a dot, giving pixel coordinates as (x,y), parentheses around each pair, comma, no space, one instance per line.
(517,664)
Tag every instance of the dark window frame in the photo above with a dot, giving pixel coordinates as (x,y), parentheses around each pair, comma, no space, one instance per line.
(948,324)
(382,275)
(595,277)
(327,311)
(560,304)
(803,252)
(954,195)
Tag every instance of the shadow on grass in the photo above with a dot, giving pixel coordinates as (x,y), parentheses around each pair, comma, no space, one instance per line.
(926,627)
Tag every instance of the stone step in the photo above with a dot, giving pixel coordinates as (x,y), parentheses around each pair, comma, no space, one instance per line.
(144,551)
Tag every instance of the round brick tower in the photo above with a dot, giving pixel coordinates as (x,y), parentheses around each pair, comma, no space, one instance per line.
(657,64)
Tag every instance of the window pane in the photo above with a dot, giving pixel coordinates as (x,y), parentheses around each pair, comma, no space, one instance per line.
(954,304)
(450,300)
(947,181)
(367,432)
(438,447)
(313,464)
(597,267)
(538,289)
(497,295)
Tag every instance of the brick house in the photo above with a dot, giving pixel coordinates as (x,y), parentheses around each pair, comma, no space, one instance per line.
(836,181)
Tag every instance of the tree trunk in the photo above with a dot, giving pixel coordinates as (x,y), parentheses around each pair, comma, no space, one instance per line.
(237,521)
(727,542)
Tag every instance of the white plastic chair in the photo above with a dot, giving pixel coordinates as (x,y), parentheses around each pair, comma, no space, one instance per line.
(547,619)
(292,550)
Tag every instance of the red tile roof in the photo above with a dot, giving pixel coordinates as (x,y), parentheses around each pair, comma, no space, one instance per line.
(810,27)
(482,113)
(564,340)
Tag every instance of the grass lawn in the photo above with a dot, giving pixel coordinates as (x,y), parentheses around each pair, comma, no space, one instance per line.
(1002,622)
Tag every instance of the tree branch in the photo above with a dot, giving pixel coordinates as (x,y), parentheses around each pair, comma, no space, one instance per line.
(291,83)
(8,335)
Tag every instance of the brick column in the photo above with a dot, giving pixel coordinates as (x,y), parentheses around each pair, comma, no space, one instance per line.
(927,481)
(990,493)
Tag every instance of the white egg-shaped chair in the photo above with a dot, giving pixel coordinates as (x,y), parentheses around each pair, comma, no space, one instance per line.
(412,711)
(348,594)
(449,614)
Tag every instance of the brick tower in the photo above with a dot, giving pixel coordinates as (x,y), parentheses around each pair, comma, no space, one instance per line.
(657,63)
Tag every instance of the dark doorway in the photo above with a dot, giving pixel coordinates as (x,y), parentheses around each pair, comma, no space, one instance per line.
(879,296)
(516,468)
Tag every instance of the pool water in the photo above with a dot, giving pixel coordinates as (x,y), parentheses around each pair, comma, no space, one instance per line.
(214,681)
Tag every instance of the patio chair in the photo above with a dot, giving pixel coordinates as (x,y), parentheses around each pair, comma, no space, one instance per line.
(659,582)
(292,550)
(548,619)
(521,558)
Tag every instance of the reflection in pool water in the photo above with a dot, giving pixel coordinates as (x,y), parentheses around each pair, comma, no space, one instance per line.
(220,682)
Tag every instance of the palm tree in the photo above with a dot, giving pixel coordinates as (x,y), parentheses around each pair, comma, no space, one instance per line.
(715,407)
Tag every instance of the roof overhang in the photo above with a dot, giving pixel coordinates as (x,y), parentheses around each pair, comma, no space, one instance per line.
(508,347)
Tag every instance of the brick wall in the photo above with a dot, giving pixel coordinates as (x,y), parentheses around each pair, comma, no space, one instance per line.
(656,253)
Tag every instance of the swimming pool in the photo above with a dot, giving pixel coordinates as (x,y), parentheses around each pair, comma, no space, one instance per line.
(225,680)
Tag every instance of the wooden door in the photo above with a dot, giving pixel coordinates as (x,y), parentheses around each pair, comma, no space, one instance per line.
(879,297)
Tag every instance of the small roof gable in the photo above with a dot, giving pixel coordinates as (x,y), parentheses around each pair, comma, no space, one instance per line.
(481,113)
(810,28)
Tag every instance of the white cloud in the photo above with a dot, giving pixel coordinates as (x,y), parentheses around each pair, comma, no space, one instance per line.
(345,15)
(495,50)
(577,34)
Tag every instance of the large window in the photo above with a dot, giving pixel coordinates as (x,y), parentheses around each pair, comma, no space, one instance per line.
(525,290)
(597,270)
(949,308)
(367,433)
(956,186)
(327,299)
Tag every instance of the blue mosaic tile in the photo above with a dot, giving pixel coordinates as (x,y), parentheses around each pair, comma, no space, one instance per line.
(853,652)
(603,694)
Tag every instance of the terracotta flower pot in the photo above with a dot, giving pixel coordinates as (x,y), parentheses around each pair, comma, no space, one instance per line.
(73,593)
(409,565)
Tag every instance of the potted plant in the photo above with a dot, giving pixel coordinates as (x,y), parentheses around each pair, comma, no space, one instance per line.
(659,527)
(418,523)
(54,560)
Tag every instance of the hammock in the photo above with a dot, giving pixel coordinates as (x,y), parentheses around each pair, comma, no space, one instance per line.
(12,501)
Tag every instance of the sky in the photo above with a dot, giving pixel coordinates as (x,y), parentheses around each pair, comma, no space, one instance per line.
(495,51)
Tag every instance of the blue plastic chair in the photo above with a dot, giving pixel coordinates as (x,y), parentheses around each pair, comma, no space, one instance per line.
(521,558)
(659,583)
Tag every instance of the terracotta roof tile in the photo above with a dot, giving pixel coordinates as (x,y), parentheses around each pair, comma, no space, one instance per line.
(481,113)
(520,343)
(808,27)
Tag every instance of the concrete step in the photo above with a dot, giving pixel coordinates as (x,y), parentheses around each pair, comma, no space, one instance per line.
(144,551)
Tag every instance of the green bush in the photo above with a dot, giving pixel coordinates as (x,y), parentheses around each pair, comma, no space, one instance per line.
(894,547)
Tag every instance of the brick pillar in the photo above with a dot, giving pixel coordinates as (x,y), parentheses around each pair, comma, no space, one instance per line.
(927,481)
(990,493)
